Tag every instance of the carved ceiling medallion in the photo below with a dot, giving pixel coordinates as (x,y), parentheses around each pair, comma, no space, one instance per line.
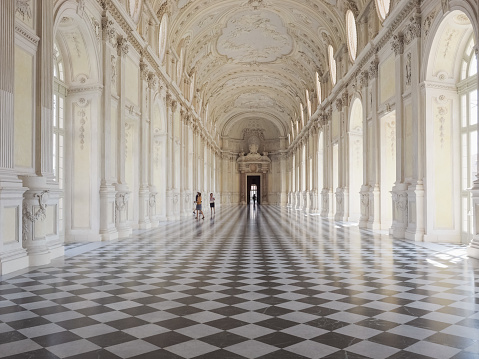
(255,36)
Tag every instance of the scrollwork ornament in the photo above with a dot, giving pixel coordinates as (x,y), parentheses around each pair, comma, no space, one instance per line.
(40,213)
(151,80)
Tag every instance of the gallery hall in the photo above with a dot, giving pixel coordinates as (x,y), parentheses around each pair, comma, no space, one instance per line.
(230,179)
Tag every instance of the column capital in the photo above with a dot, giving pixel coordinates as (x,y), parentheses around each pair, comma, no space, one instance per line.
(122,46)
(108,29)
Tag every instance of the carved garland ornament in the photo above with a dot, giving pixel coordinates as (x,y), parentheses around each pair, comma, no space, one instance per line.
(23,8)
(40,214)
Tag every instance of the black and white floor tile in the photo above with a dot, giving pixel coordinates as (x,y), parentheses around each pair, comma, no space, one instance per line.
(263,282)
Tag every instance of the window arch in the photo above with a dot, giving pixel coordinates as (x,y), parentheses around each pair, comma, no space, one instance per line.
(382,6)
(332,64)
(134,8)
(469,61)
(58,70)
(162,37)
(308,102)
(318,89)
(352,35)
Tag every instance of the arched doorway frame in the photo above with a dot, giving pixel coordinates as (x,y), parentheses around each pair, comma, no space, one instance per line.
(448,204)
(81,113)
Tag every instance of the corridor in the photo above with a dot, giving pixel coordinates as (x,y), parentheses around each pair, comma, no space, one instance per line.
(251,282)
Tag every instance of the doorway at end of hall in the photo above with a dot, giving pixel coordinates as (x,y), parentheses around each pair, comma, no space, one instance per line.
(253,188)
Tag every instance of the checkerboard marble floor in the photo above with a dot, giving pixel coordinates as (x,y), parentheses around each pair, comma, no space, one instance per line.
(264,282)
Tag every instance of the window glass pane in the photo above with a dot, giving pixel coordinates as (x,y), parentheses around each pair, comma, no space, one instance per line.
(352,35)
(464,153)
(54,110)
(473,157)
(463,111)
(55,169)
(473,65)
(60,112)
(60,161)
(473,107)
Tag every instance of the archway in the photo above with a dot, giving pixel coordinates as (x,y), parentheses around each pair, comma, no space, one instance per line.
(76,106)
(450,105)
(355,134)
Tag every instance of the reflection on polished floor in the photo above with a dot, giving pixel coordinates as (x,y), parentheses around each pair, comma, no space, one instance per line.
(251,282)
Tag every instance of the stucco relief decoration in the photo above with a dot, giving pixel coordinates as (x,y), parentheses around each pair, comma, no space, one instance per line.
(40,213)
(255,100)
(108,28)
(121,200)
(152,199)
(113,69)
(364,204)
(96,28)
(413,30)
(398,44)
(401,205)
(22,7)
(442,112)
(122,46)
(408,69)
(391,127)
(428,22)
(258,36)
(135,9)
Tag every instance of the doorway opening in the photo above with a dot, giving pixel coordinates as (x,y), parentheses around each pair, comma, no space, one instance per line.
(253,188)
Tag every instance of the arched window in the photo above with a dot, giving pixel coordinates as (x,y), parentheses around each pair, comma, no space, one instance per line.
(467,88)
(162,37)
(318,89)
(382,7)
(134,7)
(332,64)
(58,113)
(58,72)
(352,35)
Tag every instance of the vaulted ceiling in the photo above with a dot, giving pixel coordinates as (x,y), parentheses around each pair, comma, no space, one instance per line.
(254,59)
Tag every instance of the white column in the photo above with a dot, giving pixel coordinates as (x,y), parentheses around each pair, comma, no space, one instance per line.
(12,256)
(415,229)
(374,221)
(108,229)
(364,193)
(122,191)
(145,120)
(399,191)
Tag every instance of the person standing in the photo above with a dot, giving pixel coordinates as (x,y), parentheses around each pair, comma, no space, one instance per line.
(212,204)
(254,199)
(198,206)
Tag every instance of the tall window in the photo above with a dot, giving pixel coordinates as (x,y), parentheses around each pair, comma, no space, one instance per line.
(468,95)
(382,7)
(59,130)
(352,35)
(332,64)
(318,89)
